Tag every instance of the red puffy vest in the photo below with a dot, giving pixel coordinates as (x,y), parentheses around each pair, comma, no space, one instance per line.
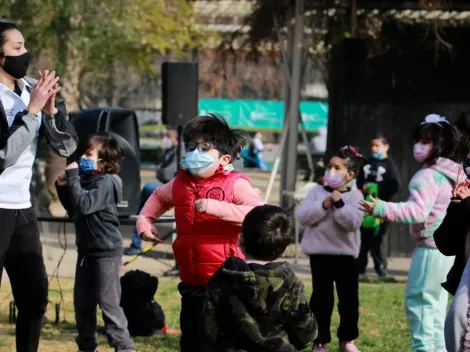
(203,241)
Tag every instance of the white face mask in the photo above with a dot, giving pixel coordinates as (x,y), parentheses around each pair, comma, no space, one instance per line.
(421,152)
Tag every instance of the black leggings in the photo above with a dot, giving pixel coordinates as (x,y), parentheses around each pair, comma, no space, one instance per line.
(328,270)
(21,255)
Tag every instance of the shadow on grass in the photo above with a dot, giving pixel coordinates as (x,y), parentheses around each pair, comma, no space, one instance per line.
(385,280)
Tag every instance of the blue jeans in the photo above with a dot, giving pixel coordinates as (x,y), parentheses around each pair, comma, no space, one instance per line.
(147,191)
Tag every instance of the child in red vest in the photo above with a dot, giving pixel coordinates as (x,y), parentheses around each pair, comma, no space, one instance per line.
(210,202)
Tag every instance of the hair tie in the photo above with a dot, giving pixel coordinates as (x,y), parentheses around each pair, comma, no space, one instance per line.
(353,150)
(434,118)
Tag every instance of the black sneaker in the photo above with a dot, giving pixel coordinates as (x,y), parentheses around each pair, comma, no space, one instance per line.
(382,273)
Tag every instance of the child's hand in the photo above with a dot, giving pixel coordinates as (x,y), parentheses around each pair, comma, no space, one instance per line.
(71,166)
(61,180)
(335,196)
(462,192)
(201,205)
(368,207)
(327,203)
(151,235)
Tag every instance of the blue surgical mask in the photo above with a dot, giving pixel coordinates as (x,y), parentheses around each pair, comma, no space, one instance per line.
(196,162)
(86,166)
(378,155)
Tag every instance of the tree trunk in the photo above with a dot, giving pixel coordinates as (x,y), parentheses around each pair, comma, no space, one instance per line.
(70,82)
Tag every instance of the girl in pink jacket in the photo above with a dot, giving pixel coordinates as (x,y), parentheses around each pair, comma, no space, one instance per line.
(430,194)
(332,240)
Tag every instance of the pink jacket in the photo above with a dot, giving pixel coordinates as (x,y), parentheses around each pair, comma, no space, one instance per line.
(245,199)
(430,193)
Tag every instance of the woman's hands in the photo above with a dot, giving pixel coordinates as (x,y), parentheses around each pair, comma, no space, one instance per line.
(43,94)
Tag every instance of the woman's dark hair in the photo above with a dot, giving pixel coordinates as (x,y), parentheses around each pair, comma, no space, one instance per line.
(4,28)
(463,124)
(354,160)
(445,139)
(382,137)
(214,129)
(109,151)
(266,232)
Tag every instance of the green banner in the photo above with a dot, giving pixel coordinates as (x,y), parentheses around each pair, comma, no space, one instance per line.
(264,114)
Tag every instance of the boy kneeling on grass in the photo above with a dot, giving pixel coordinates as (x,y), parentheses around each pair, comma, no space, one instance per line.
(257,304)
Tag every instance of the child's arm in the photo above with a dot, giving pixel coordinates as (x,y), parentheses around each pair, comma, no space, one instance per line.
(158,204)
(300,323)
(63,194)
(91,200)
(245,198)
(348,216)
(311,211)
(423,195)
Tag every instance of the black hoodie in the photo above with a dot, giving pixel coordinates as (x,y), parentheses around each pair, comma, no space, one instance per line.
(382,172)
(450,239)
(255,307)
(92,202)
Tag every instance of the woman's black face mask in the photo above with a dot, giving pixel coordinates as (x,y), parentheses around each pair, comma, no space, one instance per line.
(16,66)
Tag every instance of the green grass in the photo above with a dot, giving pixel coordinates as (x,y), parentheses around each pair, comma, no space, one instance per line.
(383,324)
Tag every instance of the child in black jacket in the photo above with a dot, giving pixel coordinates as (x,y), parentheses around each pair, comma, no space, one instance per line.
(90,192)
(380,178)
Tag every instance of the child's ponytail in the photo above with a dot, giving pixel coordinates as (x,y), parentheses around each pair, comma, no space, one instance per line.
(354,159)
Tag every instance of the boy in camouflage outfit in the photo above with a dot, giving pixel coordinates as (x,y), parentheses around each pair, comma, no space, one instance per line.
(258,305)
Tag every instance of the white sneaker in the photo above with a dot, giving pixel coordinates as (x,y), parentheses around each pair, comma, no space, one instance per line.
(348,346)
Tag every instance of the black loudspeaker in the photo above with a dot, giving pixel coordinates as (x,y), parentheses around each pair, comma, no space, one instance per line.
(179,92)
(122,123)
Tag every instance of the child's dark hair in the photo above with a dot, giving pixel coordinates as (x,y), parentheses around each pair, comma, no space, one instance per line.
(353,159)
(266,232)
(109,152)
(382,137)
(214,129)
(445,140)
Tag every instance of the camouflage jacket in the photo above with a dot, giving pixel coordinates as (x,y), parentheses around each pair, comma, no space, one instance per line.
(255,307)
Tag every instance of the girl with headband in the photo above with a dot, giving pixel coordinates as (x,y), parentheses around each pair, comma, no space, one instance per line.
(436,149)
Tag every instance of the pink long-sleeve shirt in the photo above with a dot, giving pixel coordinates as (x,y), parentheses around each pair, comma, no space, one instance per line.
(245,199)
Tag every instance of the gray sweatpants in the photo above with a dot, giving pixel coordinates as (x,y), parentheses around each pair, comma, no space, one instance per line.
(457,320)
(97,282)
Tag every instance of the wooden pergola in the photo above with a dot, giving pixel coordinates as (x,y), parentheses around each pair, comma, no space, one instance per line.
(283,22)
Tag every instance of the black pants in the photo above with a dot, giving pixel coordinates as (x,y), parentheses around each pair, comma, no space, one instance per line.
(341,270)
(192,302)
(97,282)
(21,255)
(377,246)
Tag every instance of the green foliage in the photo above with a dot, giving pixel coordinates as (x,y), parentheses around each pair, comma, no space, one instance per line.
(90,38)
(382,322)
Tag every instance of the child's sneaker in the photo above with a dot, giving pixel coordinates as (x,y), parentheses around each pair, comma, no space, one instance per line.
(348,346)
(320,348)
